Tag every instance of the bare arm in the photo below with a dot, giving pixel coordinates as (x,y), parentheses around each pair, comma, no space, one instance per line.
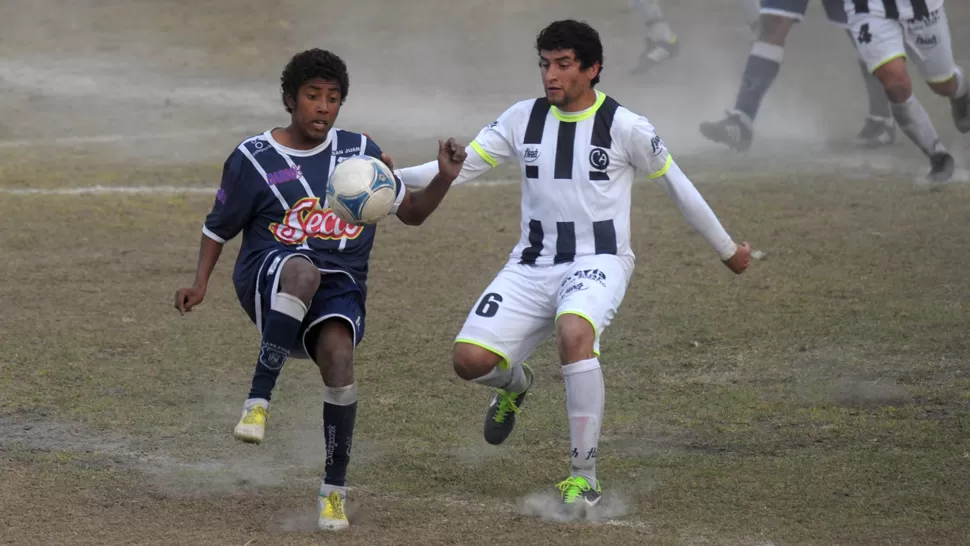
(209,252)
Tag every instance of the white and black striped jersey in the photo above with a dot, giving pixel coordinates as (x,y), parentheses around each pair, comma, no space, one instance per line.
(577,173)
(894,9)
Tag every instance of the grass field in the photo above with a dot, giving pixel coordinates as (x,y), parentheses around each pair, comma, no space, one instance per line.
(821,398)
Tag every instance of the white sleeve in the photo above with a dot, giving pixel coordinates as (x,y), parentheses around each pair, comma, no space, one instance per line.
(648,154)
(489,149)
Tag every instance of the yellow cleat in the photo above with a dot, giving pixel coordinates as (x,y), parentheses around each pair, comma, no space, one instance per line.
(252,425)
(332,515)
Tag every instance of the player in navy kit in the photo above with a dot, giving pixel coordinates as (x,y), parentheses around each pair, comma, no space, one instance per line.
(301,272)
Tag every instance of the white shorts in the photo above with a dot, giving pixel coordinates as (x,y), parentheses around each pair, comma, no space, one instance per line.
(926,41)
(520,307)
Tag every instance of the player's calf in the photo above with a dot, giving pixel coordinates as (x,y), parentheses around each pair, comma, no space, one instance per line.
(957,89)
(298,282)
(333,343)
(585,398)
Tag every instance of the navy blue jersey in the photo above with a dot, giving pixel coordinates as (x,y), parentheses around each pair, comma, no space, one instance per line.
(277,197)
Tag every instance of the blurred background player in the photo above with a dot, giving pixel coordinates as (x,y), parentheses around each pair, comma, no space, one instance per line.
(579,151)
(884,30)
(661,42)
(776,19)
(301,273)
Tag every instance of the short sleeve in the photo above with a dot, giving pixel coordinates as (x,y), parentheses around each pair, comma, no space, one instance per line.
(646,150)
(373,150)
(495,143)
(235,201)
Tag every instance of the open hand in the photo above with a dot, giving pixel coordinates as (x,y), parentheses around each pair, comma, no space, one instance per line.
(741,259)
(451,157)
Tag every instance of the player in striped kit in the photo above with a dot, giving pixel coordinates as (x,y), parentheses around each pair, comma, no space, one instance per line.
(776,20)
(578,152)
(884,31)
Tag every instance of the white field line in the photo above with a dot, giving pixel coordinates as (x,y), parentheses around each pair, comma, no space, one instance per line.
(116,138)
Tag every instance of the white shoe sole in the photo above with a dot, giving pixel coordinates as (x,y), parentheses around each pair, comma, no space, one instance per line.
(332,525)
(252,434)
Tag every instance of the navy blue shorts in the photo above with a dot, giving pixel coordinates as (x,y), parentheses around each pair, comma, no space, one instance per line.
(338,297)
(795,9)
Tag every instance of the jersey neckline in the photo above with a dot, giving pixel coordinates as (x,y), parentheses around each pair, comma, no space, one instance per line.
(299,153)
(582,114)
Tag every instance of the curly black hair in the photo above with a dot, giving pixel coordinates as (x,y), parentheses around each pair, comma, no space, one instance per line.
(310,65)
(577,36)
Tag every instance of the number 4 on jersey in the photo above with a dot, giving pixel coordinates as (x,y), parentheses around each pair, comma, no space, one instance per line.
(865,36)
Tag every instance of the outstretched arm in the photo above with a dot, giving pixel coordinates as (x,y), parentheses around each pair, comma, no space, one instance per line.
(418,205)
(648,154)
(700,216)
(420,176)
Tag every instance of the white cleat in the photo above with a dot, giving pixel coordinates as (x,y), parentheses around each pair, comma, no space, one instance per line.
(330,502)
(252,425)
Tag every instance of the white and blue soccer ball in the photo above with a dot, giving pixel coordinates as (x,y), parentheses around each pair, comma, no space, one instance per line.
(361,190)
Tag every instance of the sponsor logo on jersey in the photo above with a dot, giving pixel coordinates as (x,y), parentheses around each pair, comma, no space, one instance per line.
(530,154)
(306,220)
(594,275)
(354,150)
(599,159)
(927,41)
(285,175)
(657,145)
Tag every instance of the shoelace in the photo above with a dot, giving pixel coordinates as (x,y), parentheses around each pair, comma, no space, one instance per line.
(255,415)
(337,505)
(506,403)
(572,487)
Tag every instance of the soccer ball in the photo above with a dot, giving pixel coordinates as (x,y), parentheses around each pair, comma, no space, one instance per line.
(361,190)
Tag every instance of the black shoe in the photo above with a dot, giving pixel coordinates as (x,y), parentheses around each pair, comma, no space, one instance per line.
(733,130)
(941,167)
(500,418)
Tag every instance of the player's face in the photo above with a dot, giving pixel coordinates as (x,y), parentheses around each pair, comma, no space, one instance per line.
(316,109)
(562,77)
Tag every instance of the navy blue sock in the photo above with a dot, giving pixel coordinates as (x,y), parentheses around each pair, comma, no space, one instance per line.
(760,72)
(339,416)
(280,332)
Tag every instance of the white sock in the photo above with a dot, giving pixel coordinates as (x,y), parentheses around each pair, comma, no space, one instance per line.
(660,32)
(512,379)
(915,122)
(585,398)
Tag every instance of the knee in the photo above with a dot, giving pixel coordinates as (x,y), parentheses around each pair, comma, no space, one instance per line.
(895,80)
(472,361)
(335,353)
(773,29)
(300,278)
(575,337)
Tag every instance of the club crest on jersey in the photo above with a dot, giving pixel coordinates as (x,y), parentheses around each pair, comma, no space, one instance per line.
(599,159)
(657,145)
(306,220)
(530,154)
(284,175)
